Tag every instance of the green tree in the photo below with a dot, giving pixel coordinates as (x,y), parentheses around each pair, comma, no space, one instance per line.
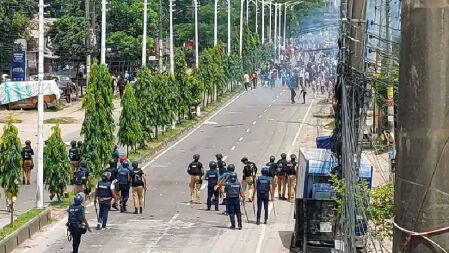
(163,109)
(145,94)
(130,132)
(57,171)
(98,126)
(11,162)
(183,82)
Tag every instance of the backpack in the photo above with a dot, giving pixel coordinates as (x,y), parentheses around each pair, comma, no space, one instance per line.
(79,177)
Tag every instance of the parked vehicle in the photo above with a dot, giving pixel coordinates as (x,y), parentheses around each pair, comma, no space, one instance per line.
(24,95)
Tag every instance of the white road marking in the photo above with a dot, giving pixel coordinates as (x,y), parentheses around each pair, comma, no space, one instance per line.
(254,122)
(203,186)
(265,110)
(190,133)
(260,116)
(247,130)
(274,100)
(170,223)
(241,138)
(269,105)
(302,123)
(277,96)
(210,123)
(233,147)
(262,231)
(225,157)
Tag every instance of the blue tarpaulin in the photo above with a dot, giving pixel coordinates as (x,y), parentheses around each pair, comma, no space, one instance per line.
(325,142)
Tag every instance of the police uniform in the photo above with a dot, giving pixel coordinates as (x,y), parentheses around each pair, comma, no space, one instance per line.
(249,172)
(80,179)
(263,185)
(74,157)
(104,195)
(272,174)
(222,170)
(75,223)
(233,202)
(212,180)
(123,184)
(282,177)
(138,184)
(195,171)
(291,176)
(27,156)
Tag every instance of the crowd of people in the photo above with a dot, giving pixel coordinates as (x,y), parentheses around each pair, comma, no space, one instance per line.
(223,183)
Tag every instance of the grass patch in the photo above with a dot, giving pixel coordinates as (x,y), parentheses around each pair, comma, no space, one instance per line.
(61,120)
(330,126)
(15,121)
(322,116)
(21,219)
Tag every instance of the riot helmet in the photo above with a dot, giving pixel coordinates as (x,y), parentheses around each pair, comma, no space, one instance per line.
(233,177)
(196,157)
(135,164)
(219,156)
(212,165)
(231,168)
(73,144)
(78,199)
(272,158)
(283,155)
(264,171)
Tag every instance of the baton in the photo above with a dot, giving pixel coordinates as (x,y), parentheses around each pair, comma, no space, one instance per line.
(274,208)
(254,207)
(96,211)
(144,198)
(246,214)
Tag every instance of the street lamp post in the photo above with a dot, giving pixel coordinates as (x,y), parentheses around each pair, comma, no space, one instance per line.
(215,22)
(257,14)
(279,31)
(229,27)
(172,56)
(103,32)
(269,25)
(40,113)
(275,26)
(263,22)
(144,35)
(241,28)
(195,2)
(285,24)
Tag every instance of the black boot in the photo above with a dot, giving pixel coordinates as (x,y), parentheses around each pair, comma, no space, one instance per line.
(135,210)
(265,221)
(23,180)
(258,222)
(122,208)
(239,220)
(140,209)
(232,217)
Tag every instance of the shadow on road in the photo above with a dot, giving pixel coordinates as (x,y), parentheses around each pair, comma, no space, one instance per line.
(286,238)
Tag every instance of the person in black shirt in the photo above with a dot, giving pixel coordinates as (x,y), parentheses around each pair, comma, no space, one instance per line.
(139,185)
(249,174)
(196,172)
(28,165)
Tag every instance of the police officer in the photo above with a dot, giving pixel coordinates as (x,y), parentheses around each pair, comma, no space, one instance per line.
(196,172)
(292,167)
(77,223)
(139,184)
(212,176)
(81,177)
(282,176)
(124,178)
(27,156)
(233,193)
(222,169)
(116,153)
(80,147)
(113,170)
(222,180)
(104,193)
(272,173)
(264,194)
(74,156)
(249,173)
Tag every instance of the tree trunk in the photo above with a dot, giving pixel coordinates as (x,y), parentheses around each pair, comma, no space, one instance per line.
(127,147)
(11,204)
(156,133)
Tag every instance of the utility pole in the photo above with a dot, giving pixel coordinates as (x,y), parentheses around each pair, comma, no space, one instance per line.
(103,32)
(279,31)
(390,88)
(144,36)
(229,27)
(40,108)
(161,62)
(269,23)
(285,23)
(88,40)
(421,179)
(275,26)
(241,28)
(263,22)
(215,22)
(257,25)
(172,54)
(247,10)
(197,62)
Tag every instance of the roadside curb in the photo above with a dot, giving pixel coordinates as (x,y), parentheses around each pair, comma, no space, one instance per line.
(25,232)
(204,116)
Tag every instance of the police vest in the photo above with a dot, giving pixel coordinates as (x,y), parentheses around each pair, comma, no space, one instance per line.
(74,154)
(104,189)
(233,190)
(248,170)
(263,185)
(137,179)
(221,166)
(75,214)
(79,177)
(212,177)
(282,166)
(194,168)
(123,176)
(27,154)
(272,169)
(290,168)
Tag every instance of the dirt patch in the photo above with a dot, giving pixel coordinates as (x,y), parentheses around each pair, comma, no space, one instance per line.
(60,120)
(15,121)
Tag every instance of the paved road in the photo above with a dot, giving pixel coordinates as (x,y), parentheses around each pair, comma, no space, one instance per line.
(256,124)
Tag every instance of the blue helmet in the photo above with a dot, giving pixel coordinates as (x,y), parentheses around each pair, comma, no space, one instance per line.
(233,177)
(78,200)
(264,171)
(231,168)
(212,165)
(125,164)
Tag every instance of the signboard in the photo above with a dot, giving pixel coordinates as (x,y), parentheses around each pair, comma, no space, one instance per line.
(18,66)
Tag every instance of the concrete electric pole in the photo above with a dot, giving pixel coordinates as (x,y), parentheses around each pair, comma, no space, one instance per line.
(40,113)
(172,53)
(241,28)
(161,55)
(215,22)
(263,22)
(197,63)
(285,24)
(257,24)
(229,27)
(103,32)
(269,23)
(144,35)
(275,27)
(421,188)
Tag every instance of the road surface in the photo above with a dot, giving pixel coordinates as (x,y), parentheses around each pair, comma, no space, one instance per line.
(256,124)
